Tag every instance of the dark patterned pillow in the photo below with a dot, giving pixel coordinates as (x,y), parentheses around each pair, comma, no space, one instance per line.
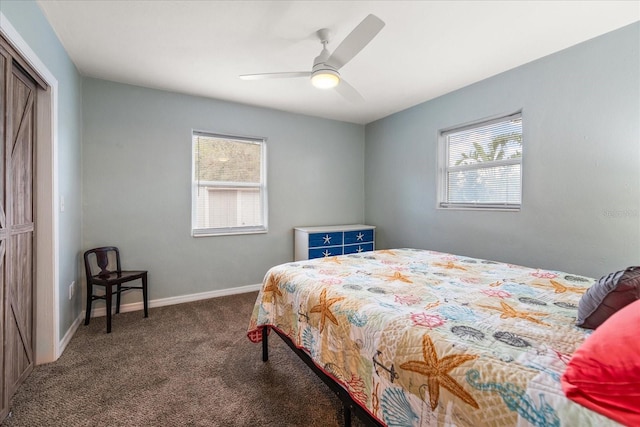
(608,295)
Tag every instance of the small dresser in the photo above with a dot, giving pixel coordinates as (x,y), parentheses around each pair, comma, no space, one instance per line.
(318,242)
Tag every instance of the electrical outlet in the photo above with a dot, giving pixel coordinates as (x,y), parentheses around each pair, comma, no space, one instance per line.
(72,289)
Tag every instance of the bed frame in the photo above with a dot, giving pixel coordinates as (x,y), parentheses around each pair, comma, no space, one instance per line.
(348,404)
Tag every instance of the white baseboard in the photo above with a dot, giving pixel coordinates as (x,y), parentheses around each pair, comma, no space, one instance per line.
(70,333)
(102,311)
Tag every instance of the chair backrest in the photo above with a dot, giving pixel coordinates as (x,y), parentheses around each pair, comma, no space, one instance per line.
(103,260)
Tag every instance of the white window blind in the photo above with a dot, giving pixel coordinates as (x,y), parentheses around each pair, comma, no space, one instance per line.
(482,165)
(229,185)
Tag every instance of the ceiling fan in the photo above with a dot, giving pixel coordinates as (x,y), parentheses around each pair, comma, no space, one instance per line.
(324,73)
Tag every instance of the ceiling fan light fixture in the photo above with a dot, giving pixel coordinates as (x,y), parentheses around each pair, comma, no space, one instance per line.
(325,79)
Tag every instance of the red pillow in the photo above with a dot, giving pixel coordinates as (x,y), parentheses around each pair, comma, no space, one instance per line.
(604,372)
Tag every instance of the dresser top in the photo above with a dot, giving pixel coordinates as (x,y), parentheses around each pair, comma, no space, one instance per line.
(334,228)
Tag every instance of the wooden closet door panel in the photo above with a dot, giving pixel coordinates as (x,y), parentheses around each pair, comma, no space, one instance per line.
(5,61)
(19,213)
(21,157)
(19,352)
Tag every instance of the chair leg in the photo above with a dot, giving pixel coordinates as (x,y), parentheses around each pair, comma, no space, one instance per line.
(145,299)
(87,316)
(108,297)
(118,291)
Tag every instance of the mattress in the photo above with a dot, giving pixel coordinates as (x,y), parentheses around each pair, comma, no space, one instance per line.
(419,337)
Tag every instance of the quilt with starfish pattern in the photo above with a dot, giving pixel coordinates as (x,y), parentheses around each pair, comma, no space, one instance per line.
(424,338)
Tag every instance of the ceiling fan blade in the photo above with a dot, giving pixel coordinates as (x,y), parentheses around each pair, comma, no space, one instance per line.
(348,92)
(285,75)
(356,41)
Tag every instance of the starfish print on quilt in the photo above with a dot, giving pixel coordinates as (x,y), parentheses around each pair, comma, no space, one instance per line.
(324,308)
(437,372)
(559,288)
(449,265)
(399,276)
(508,311)
(272,287)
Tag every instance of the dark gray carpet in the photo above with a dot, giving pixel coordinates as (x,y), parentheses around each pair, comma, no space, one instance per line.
(185,365)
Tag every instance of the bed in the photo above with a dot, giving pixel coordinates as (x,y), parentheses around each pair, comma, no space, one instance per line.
(414,337)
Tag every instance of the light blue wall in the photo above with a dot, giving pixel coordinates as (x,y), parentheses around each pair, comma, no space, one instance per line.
(581,166)
(137,184)
(581,170)
(27,18)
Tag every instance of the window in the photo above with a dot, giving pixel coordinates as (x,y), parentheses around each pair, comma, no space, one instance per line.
(229,192)
(481,165)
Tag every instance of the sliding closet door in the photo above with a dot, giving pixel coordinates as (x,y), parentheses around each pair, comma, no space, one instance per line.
(17,129)
(4,61)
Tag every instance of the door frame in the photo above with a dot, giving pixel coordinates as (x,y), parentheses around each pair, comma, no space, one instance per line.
(47,332)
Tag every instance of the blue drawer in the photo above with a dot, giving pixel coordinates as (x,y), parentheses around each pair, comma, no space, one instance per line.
(325,252)
(325,239)
(362,247)
(358,236)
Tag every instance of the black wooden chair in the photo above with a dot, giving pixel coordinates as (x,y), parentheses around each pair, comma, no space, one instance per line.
(103,259)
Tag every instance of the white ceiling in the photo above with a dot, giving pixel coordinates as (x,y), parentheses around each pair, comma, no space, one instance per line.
(426,49)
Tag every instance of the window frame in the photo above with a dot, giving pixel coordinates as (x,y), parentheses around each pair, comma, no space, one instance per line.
(262,186)
(443,167)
